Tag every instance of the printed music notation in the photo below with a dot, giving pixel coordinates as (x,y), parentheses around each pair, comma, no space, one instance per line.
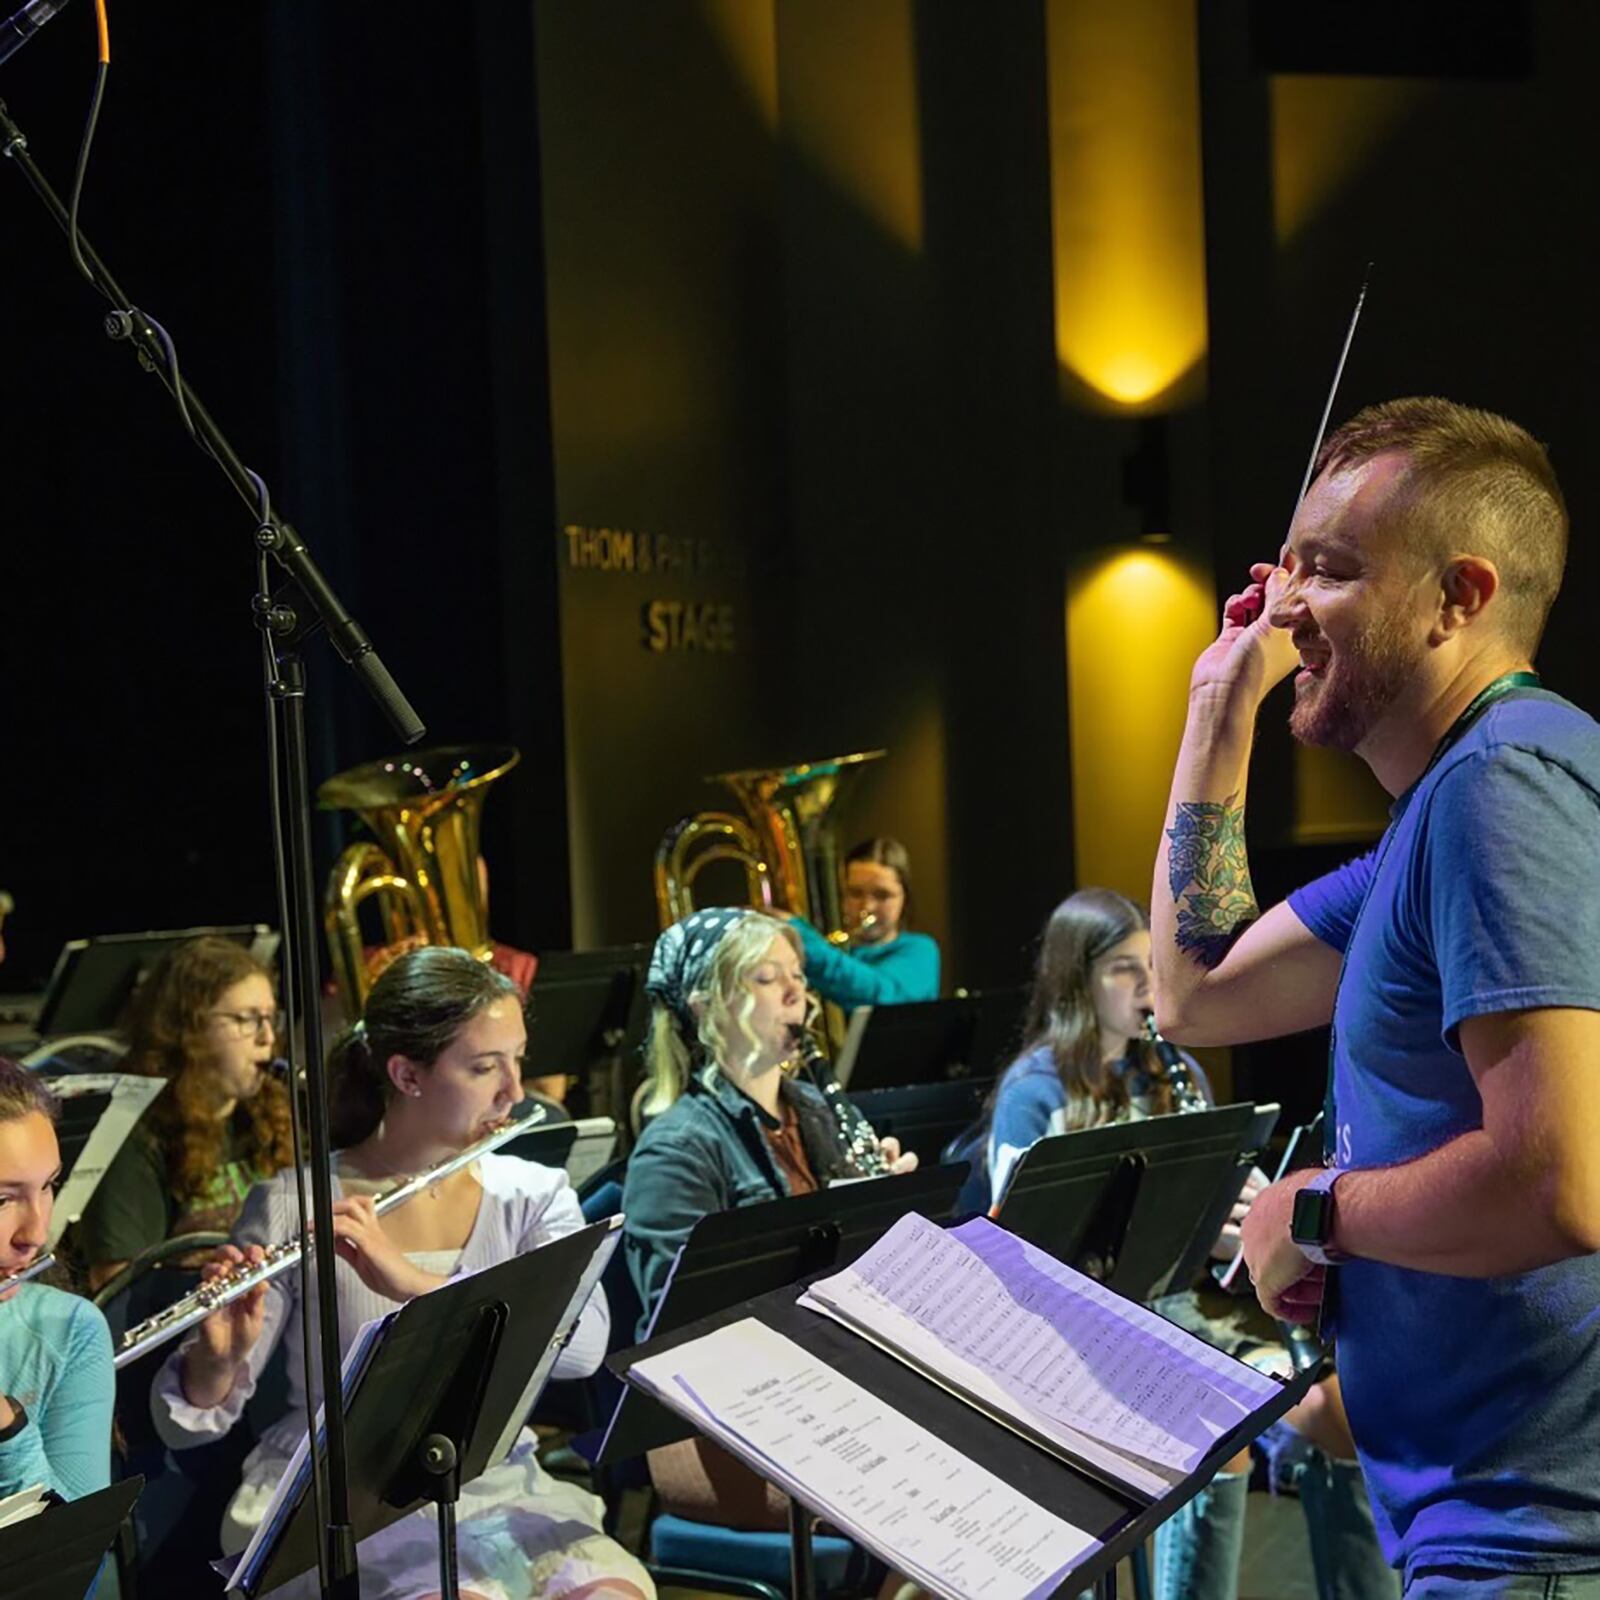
(1045,1348)
(937,1516)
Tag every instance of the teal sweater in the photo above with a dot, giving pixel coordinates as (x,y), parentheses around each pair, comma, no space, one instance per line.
(896,973)
(55,1357)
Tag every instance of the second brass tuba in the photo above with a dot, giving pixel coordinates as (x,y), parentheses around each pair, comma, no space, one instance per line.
(424,811)
(785,841)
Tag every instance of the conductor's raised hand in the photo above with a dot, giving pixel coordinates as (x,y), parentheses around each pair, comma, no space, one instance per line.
(380,1264)
(1252,654)
(229,1334)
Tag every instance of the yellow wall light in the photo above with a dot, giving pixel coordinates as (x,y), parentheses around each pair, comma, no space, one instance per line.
(1126,199)
(1136,620)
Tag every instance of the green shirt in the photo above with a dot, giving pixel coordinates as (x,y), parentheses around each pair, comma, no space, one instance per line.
(133,1207)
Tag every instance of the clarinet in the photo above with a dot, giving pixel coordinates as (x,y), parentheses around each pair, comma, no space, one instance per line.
(1185,1096)
(22,1274)
(211,1296)
(860,1142)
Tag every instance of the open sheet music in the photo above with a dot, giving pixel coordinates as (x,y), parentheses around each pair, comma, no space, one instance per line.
(1045,1350)
(936,1515)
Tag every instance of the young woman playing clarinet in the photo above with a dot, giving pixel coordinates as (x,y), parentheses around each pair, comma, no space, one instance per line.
(1086,1061)
(56,1378)
(434,1065)
(731,1127)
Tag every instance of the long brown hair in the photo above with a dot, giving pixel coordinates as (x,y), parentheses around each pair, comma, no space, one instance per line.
(1061,1015)
(169,1037)
(421,1001)
(23,1092)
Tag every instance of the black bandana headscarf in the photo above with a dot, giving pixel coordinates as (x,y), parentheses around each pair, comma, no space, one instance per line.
(682,957)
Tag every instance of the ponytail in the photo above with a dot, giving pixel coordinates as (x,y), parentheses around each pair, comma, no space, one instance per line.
(420,1002)
(666,1063)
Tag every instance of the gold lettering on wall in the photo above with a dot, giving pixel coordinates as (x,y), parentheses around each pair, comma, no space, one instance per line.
(627,550)
(688,625)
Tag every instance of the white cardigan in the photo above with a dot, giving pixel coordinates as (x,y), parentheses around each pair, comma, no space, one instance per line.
(524,1205)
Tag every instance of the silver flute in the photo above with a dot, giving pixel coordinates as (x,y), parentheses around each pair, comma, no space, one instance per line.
(860,1142)
(212,1295)
(32,1270)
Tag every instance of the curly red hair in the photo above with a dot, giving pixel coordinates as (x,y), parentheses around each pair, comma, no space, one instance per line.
(168,1028)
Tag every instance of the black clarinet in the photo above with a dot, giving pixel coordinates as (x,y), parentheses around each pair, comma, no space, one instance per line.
(860,1142)
(1175,1070)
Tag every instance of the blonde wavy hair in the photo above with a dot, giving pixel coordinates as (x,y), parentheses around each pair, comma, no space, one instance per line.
(722,1010)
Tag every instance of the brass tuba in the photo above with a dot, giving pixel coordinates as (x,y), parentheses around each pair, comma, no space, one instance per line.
(424,811)
(785,841)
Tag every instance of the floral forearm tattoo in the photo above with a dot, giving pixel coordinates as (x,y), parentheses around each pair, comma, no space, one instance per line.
(1209,876)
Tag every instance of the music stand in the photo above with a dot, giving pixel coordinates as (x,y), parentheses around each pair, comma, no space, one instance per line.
(56,1554)
(1193,1261)
(454,1376)
(924,1117)
(1123,1203)
(94,979)
(588,1015)
(1120,1518)
(930,1041)
(732,1256)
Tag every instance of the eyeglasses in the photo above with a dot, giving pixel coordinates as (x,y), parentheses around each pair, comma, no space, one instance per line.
(249,1024)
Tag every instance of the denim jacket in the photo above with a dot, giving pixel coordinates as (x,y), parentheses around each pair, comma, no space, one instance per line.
(709,1153)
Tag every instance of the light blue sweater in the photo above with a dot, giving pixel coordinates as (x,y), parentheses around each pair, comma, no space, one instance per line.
(55,1358)
(897,973)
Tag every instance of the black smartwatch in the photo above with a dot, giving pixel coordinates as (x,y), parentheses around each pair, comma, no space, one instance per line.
(1311,1225)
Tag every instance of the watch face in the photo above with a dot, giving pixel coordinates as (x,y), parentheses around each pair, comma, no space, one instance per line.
(1312,1222)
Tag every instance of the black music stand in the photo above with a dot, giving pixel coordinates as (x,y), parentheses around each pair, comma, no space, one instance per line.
(56,1554)
(446,1393)
(588,1015)
(734,1255)
(924,1117)
(1125,1203)
(1120,1518)
(94,979)
(930,1041)
(1193,1261)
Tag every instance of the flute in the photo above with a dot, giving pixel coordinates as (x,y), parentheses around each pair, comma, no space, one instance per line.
(32,1270)
(211,1296)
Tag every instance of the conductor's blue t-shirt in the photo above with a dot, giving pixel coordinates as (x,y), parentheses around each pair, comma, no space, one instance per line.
(1475,1402)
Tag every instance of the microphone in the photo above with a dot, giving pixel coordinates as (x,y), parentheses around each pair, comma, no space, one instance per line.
(21,26)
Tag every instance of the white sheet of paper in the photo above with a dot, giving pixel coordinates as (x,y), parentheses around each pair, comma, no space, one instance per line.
(23,1504)
(921,1505)
(1023,1333)
(130,1094)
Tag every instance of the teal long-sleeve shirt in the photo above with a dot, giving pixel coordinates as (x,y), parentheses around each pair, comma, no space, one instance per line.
(899,972)
(55,1358)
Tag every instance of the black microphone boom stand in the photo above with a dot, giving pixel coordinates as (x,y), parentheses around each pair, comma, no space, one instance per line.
(286,619)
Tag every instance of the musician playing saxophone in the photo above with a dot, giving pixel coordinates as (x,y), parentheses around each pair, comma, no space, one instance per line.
(434,1066)
(730,1128)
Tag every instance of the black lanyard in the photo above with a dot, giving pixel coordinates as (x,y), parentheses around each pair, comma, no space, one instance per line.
(1481,702)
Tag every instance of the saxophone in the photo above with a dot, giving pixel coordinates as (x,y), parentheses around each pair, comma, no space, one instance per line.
(860,1142)
(1185,1095)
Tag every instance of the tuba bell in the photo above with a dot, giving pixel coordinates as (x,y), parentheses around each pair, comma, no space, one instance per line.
(785,841)
(424,811)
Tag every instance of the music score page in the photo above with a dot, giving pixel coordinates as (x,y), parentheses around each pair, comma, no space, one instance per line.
(921,1505)
(1038,1344)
